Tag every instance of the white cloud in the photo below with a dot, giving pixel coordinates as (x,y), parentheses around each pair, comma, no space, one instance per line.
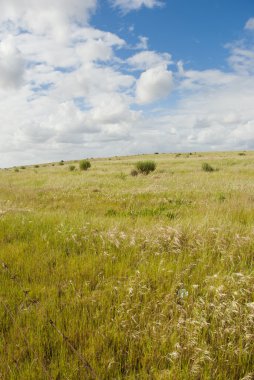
(54,15)
(148,59)
(11,64)
(142,44)
(211,117)
(154,84)
(71,88)
(128,5)
(194,80)
(250,24)
(241,58)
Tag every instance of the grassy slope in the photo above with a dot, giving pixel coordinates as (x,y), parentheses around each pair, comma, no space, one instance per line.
(149,277)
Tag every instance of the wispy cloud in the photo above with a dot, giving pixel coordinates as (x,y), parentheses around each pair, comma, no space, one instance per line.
(129,5)
(250,24)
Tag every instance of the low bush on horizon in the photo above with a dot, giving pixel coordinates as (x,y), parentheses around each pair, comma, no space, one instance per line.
(145,167)
(134,173)
(72,168)
(84,164)
(207,167)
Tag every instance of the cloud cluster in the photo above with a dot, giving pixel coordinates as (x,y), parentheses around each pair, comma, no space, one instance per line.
(47,16)
(67,92)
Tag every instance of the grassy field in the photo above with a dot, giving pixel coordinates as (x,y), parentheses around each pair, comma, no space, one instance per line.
(109,276)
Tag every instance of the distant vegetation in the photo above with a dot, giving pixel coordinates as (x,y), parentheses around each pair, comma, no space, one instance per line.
(145,167)
(207,167)
(84,164)
(134,172)
(72,168)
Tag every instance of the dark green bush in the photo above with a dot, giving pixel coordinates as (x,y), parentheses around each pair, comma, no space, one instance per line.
(145,167)
(134,173)
(72,168)
(207,167)
(84,164)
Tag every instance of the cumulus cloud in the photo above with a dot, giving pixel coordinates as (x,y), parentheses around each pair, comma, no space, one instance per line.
(54,15)
(11,64)
(128,5)
(154,84)
(71,88)
(148,59)
(210,117)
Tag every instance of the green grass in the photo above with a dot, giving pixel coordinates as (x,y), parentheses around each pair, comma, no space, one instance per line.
(109,276)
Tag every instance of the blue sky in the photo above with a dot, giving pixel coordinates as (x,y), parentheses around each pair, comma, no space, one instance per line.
(82,78)
(194,31)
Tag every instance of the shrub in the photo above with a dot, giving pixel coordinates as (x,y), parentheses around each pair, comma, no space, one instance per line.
(72,168)
(61,162)
(207,167)
(134,173)
(145,167)
(84,165)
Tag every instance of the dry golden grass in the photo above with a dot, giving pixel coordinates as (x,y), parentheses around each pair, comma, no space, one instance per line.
(109,276)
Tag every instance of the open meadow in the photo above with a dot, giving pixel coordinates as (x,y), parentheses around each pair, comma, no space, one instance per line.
(105,275)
